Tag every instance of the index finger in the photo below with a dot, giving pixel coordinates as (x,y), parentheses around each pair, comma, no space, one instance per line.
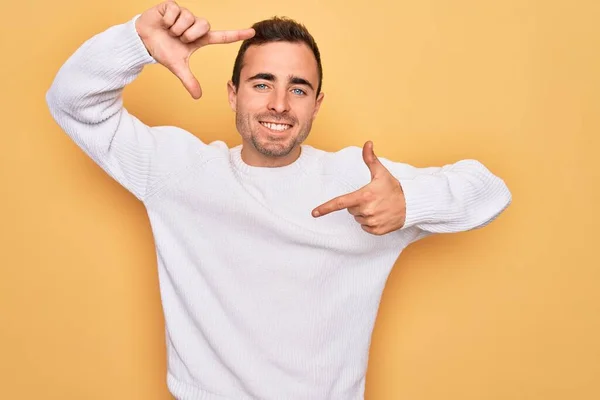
(223,37)
(338,203)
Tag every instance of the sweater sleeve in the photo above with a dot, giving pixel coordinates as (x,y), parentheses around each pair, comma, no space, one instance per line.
(85,99)
(457,197)
(442,199)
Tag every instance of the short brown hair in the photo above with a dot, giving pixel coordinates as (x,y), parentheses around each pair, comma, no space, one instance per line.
(277,29)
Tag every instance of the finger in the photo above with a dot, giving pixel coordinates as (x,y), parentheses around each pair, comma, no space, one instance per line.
(354,210)
(373,163)
(184,21)
(196,31)
(364,209)
(170,12)
(373,231)
(339,203)
(223,37)
(188,79)
(366,221)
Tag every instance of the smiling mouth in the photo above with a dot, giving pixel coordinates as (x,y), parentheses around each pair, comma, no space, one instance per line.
(276,127)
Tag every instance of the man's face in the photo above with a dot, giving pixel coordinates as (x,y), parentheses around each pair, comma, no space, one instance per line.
(276,101)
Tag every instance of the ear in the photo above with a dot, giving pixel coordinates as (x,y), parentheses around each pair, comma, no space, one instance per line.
(318,104)
(232,95)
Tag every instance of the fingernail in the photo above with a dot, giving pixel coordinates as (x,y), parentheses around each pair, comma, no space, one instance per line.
(315,213)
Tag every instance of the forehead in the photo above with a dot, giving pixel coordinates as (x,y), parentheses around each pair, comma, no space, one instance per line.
(281,59)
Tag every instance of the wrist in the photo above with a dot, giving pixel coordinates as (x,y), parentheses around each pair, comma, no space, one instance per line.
(141,32)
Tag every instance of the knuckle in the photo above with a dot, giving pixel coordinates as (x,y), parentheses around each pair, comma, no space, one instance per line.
(167,20)
(339,203)
(186,37)
(186,16)
(172,8)
(203,24)
(367,212)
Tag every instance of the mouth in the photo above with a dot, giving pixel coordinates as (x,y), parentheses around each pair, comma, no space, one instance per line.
(276,127)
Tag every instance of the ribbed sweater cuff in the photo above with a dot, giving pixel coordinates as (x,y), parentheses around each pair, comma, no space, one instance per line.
(461,203)
(420,202)
(131,50)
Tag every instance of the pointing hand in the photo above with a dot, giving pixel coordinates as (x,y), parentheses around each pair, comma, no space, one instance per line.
(379,207)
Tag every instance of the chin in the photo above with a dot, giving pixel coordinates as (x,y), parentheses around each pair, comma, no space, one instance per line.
(276,151)
(271,148)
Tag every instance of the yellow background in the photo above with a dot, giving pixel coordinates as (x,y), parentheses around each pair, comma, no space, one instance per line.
(508,312)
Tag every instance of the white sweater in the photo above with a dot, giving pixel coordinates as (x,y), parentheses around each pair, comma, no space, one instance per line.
(261,300)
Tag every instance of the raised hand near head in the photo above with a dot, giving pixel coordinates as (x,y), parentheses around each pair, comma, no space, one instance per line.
(379,207)
(172,34)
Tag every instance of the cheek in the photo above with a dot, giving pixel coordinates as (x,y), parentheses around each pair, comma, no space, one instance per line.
(250,102)
(304,110)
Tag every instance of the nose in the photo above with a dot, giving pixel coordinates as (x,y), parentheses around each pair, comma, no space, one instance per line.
(279,101)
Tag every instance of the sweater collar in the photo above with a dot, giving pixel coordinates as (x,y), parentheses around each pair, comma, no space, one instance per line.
(293,168)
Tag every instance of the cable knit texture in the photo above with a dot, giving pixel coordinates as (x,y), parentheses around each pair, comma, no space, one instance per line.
(261,300)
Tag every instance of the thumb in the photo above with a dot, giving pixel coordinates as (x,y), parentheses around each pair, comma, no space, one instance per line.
(185,75)
(375,166)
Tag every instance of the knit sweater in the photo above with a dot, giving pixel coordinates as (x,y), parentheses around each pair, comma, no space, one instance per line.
(261,300)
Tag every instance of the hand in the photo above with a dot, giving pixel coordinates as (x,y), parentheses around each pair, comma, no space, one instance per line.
(172,34)
(379,207)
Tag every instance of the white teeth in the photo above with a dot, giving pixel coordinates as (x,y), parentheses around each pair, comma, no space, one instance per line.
(276,127)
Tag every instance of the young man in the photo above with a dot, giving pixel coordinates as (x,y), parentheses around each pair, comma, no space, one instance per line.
(272,255)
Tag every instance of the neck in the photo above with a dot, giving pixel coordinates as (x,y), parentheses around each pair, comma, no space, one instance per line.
(253,158)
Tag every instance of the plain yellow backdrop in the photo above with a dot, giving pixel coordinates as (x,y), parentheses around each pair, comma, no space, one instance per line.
(511,311)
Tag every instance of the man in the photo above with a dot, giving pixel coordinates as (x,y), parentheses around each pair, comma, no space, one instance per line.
(272,255)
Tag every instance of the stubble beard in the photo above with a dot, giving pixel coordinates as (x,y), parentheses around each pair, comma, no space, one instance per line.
(282,147)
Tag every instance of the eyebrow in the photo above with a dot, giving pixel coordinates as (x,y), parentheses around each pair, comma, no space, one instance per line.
(296,80)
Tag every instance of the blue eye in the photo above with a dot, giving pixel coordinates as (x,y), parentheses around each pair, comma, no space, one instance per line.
(260,86)
(299,91)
